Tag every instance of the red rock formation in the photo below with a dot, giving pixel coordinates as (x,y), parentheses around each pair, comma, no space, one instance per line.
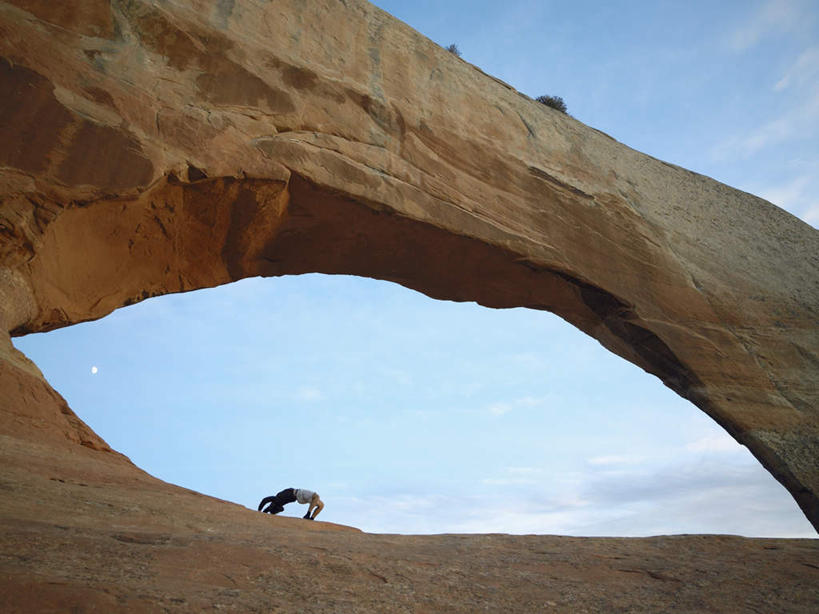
(150,147)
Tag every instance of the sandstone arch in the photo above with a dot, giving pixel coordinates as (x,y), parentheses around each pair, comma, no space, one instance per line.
(148,148)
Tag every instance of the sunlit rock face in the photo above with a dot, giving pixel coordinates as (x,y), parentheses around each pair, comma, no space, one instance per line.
(156,147)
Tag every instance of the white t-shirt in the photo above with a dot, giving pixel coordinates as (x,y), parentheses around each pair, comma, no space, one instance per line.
(303,495)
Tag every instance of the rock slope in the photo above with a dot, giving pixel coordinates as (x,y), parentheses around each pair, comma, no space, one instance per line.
(82,531)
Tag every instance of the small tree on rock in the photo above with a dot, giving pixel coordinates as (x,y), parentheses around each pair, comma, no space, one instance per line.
(453,49)
(556,102)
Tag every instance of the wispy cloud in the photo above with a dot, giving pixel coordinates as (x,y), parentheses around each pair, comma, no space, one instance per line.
(772,18)
(799,195)
(504,407)
(309,394)
(516,476)
(799,122)
(804,71)
(710,485)
(686,498)
(499,409)
(792,131)
(508,481)
(811,214)
(716,442)
(614,460)
(786,195)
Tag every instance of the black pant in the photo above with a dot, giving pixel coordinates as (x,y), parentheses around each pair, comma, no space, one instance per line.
(278,501)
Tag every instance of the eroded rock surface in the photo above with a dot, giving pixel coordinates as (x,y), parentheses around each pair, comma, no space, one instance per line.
(155,147)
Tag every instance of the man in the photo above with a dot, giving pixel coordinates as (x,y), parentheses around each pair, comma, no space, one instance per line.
(275,503)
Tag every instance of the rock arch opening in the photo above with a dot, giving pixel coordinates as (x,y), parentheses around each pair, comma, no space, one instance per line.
(409,415)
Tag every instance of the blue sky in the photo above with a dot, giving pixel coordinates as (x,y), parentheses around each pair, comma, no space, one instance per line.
(410,415)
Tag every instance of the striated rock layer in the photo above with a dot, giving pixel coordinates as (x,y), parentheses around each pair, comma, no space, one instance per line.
(155,147)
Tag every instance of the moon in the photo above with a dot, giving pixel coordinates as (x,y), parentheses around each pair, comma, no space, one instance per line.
(94,370)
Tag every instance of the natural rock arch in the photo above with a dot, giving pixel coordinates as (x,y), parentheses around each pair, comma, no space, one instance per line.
(148,148)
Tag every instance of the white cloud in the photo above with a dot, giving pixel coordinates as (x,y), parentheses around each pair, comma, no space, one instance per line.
(524,470)
(797,124)
(773,18)
(701,498)
(786,195)
(520,521)
(715,442)
(499,409)
(309,394)
(508,481)
(804,71)
(811,214)
(703,494)
(572,500)
(699,489)
(614,460)
(798,87)
(504,407)
(798,195)
(800,121)
(516,476)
